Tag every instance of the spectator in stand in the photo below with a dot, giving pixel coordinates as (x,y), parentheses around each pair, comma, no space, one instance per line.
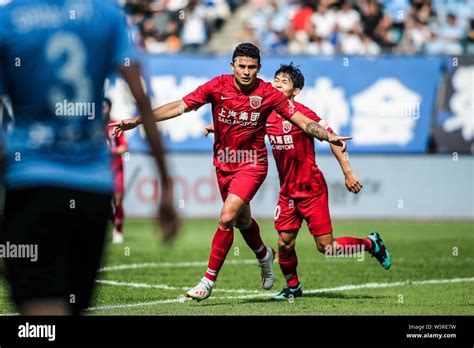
(173,41)
(384,35)
(270,24)
(324,21)
(463,10)
(417,35)
(347,26)
(321,47)
(216,13)
(299,30)
(470,38)
(369,46)
(348,19)
(248,34)
(193,33)
(371,15)
(448,38)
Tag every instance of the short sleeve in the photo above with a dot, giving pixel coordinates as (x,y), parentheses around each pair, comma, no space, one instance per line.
(201,95)
(281,104)
(123,50)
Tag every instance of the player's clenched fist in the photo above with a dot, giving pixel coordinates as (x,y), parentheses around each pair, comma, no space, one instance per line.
(353,183)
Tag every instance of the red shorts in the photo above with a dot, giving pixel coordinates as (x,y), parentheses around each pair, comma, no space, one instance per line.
(290,213)
(118,181)
(243,183)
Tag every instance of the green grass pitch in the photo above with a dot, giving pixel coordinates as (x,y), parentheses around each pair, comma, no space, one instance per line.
(432,273)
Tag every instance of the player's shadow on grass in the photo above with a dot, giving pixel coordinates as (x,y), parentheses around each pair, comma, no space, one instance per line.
(333,295)
(269,299)
(340,295)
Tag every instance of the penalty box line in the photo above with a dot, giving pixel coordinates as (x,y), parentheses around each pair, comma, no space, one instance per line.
(313,291)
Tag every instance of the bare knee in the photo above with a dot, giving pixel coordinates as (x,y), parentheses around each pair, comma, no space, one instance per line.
(286,246)
(323,243)
(226,220)
(322,247)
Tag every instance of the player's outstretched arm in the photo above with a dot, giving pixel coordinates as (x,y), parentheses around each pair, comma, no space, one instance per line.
(352,182)
(167,216)
(317,131)
(162,113)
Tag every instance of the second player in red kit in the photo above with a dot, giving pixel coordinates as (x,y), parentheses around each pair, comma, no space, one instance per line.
(302,185)
(304,192)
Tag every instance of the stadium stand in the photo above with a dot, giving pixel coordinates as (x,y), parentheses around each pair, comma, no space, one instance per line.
(180,25)
(324,27)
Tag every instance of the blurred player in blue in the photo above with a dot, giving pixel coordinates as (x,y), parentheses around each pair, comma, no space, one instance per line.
(54,58)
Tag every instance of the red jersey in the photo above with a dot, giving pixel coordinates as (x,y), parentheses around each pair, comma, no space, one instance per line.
(294,154)
(239,119)
(114,142)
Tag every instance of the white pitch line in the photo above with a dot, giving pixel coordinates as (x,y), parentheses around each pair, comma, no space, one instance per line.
(314,291)
(173,264)
(167,287)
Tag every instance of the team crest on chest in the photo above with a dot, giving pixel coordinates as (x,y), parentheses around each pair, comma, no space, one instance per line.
(286,126)
(255,101)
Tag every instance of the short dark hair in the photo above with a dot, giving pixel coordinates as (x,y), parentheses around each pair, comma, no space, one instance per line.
(246,50)
(294,73)
(108,102)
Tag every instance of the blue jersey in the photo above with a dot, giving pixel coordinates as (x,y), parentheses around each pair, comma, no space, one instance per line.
(54,58)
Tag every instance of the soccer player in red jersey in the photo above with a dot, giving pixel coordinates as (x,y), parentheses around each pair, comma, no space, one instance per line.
(241,104)
(303,189)
(118,146)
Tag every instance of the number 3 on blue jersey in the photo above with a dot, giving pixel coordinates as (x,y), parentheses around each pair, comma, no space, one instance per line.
(72,71)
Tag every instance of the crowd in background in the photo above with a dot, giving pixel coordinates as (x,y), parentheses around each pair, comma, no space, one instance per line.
(171,26)
(317,27)
(365,27)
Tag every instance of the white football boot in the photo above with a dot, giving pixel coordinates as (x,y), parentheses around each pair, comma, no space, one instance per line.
(117,237)
(266,269)
(202,290)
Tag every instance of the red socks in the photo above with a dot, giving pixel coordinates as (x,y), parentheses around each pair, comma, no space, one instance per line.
(221,244)
(254,240)
(288,263)
(118,218)
(347,241)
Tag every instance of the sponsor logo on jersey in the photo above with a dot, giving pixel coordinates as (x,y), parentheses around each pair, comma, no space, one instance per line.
(286,125)
(255,101)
